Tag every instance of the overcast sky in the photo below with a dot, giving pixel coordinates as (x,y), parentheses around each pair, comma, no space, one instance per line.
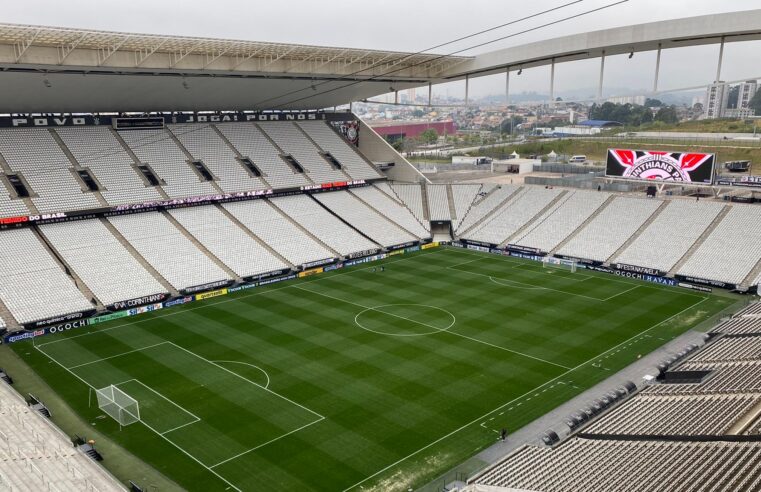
(413,25)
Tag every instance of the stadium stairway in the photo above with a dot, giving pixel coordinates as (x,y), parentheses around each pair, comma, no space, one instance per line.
(5,168)
(10,321)
(491,212)
(395,196)
(201,247)
(67,268)
(331,212)
(280,151)
(190,159)
(308,137)
(533,219)
(751,277)
(637,233)
(745,423)
(424,195)
(136,162)
(707,232)
(75,164)
(302,229)
(583,225)
(382,214)
(164,283)
(450,199)
(238,155)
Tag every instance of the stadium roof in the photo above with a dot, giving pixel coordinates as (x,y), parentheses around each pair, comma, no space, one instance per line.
(36,64)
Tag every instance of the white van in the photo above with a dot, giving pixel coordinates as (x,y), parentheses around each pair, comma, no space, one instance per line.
(578,158)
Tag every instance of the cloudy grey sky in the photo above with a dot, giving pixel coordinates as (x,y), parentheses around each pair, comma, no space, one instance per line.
(412,25)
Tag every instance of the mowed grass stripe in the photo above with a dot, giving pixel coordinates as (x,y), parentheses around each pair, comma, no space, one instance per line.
(386,399)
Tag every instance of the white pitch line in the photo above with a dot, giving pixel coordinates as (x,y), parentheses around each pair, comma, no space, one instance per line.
(248,364)
(117,355)
(182,450)
(210,302)
(248,380)
(514,399)
(439,330)
(266,443)
(621,293)
(180,427)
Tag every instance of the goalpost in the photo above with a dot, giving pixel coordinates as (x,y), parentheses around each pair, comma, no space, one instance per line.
(118,405)
(559,263)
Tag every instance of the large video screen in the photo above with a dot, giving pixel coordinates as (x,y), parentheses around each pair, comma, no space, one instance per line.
(688,167)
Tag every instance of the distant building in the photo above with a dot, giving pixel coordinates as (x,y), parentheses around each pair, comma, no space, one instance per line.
(745,94)
(399,130)
(717,96)
(739,113)
(640,100)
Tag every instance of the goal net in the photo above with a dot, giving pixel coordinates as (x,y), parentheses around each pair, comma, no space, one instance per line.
(118,405)
(559,263)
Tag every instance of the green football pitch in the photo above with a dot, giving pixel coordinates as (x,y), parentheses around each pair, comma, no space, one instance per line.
(357,378)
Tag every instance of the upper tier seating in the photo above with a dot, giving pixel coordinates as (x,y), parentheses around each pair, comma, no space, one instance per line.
(483,205)
(36,456)
(173,255)
(278,232)
(732,250)
(204,143)
(438,202)
(158,149)
(412,197)
(33,284)
(464,195)
(731,349)
(671,234)
(364,218)
(323,225)
(10,207)
(100,260)
(292,141)
(391,209)
(96,148)
(607,232)
(727,377)
(561,220)
(513,215)
(228,242)
(353,164)
(253,144)
(35,153)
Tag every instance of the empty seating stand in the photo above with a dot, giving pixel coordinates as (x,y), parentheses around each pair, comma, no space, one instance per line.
(438,202)
(392,209)
(46,168)
(204,143)
(352,162)
(103,264)
(96,148)
(33,285)
(173,255)
(323,225)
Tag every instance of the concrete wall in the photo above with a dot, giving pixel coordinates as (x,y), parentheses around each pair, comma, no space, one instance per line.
(375,148)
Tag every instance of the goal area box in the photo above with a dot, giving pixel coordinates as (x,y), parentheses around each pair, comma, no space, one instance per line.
(559,263)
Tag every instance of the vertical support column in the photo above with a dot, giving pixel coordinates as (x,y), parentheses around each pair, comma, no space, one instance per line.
(602,75)
(396,97)
(467,88)
(721,59)
(507,86)
(657,69)
(430,92)
(552,84)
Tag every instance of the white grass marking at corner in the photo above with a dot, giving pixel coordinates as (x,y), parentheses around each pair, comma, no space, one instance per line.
(210,303)
(183,451)
(247,364)
(481,418)
(117,355)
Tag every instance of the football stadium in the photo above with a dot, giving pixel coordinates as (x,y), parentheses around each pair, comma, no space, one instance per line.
(215,274)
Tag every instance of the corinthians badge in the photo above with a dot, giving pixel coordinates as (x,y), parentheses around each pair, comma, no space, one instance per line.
(662,166)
